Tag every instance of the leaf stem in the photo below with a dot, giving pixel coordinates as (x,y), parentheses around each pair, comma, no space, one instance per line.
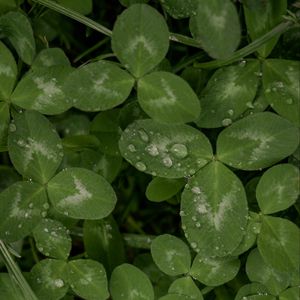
(252,47)
(13,268)
(140,241)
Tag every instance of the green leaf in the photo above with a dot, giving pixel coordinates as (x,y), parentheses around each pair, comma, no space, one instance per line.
(48,279)
(160,189)
(17,28)
(278,188)
(87,279)
(229,92)
(290,294)
(4,122)
(180,9)
(167,98)
(171,255)
(261,17)
(7,5)
(51,57)
(281,85)
(8,72)
(170,151)
(22,206)
(130,2)
(140,38)
(34,146)
(81,194)
(253,291)
(41,90)
(213,21)
(214,271)
(130,283)
(8,287)
(185,286)
(258,271)
(246,144)
(214,210)
(98,86)
(82,7)
(52,239)
(279,244)
(103,242)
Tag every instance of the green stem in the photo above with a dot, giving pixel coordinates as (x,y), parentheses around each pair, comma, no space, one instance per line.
(183,39)
(33,250)
(188,61)
(13,268)
(140,241)
(240,54)
(207,290)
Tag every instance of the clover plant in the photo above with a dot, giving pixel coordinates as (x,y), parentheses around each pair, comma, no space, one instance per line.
(149,150)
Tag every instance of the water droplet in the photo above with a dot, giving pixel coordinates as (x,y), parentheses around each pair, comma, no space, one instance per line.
(230,112)
(44,214)
(267,91)
(196,190)
(46,229)
(194,245)
(152,150)
(143,135)
(20,226)
(182,213)
(46,206)
(183,227)
(243,63)
(194,218)
(198,225)
(167,161)
(30,205)
(289,101)
(259,74)
(141,166)
(131,148)
(12,127)
(179,150)
(249,104)
(226,122)
(26,215)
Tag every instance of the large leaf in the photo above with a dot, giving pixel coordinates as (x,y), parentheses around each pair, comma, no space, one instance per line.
(261,17)
(130,283)
(17,29)
(140,38)
(22,206)
(214,210)
(179,9)
(103,242)
(216,25)
(170,151)
(214,271)
(281,84)
(98,86)
(81,194)
(171,254)
(229,92)
(87,279)
(167,98)
(4,122)
(258,271)
(279,244)
(52,239)
(34,146)
(8,72)
(257,141)
(41,90)
(185,286)
(278,188)
(48,279)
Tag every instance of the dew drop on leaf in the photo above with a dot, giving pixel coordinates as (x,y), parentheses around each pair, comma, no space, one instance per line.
(152,150)
(179,150)
(167,161)
(131,148)
(12,127)
(141,166)
(226,122)
(143,135)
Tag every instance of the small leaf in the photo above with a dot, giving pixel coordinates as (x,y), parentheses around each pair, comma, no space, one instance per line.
(180,9)
(50,57)
(290,294)
(8,72)
(281,85)
(185,286)
(279,244)
(52,239)
(103,242)
(160,189)
(258,271)
(34,153)
(22,206)
(246,144)
(229,92)
(98,86)
(278,188)
(171,255)
(4,122)
(41,90)
(167,98)
(48,279)
(261,17)
(214,20)
(214,271)
(214,210)
(140,38)
(17,28)
(81,194)
(130,283)
(87,279)
(170,151)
